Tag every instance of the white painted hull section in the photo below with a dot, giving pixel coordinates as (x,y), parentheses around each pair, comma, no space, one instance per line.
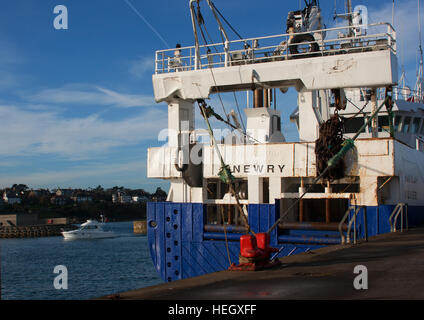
(276,159)
(372,160)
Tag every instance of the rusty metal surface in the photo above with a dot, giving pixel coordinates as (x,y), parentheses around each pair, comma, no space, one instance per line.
(333,226)
(227,228)
(328,145)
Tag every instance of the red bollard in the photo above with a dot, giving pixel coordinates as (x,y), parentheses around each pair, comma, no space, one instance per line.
(263,244)
(248,246)
(257,250)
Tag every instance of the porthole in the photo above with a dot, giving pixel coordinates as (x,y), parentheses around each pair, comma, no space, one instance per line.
(153,224)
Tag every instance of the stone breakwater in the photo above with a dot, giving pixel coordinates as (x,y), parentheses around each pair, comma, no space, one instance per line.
(7,232)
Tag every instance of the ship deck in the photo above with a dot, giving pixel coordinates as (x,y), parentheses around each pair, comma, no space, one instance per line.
(395,263)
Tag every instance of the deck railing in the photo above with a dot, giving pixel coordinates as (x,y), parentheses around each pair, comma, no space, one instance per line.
(352,220)
(401,208)
(379,36)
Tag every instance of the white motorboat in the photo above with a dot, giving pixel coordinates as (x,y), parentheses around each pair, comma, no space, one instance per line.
(89,230)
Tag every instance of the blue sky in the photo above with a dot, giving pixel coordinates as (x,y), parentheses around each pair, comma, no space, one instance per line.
(77,106)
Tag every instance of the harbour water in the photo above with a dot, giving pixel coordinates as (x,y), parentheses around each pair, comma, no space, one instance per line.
(95,267)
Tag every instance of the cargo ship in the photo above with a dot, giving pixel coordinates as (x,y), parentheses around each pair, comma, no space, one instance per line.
(357,170)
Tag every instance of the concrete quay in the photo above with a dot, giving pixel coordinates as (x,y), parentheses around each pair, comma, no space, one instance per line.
(394,266)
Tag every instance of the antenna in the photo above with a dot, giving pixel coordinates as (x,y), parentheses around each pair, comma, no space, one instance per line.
(419,24)
(419,83)
(349,11)
(335,9)
(393,14)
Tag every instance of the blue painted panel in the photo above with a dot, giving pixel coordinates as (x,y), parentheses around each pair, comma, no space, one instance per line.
(179,228)
(415,215)
(222,236)
(262,217)
(156,234)
(378,219)
(311,233)
(187,225)
(174,222)
(192,264)
(151,234)
(373,218)
(253,217)
(207,256)
(384,212)
(199,216)
(275,216)
(308,240)
(173,212)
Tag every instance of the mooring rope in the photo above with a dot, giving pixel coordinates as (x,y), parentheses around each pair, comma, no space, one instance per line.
(226,239)
(225,172)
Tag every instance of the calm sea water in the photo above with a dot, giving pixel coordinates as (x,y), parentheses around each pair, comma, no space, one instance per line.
(95,267)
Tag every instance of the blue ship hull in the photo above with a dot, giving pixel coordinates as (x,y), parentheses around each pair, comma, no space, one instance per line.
(181,248)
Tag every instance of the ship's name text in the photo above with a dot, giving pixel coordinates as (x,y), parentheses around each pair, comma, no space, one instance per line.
(257,168)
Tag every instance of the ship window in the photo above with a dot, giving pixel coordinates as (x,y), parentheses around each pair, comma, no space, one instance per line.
(265,190)
(383,123)
(406,124)
(354,124)
(415,125)
(276,124)
(89,227)
(398,120)
(212,189)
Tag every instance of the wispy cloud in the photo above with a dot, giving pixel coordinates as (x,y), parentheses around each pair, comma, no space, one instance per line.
(72,176)
(28,132)
(127,100)
(405,24)
(89,95)
(8,79)
(142,66)
(9,59)
(8,53)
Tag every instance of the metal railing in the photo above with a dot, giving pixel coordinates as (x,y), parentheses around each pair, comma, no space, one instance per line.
(352,219)
(398,210)
(274,48)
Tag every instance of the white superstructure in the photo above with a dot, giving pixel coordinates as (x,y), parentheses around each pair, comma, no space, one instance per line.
(347,62)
